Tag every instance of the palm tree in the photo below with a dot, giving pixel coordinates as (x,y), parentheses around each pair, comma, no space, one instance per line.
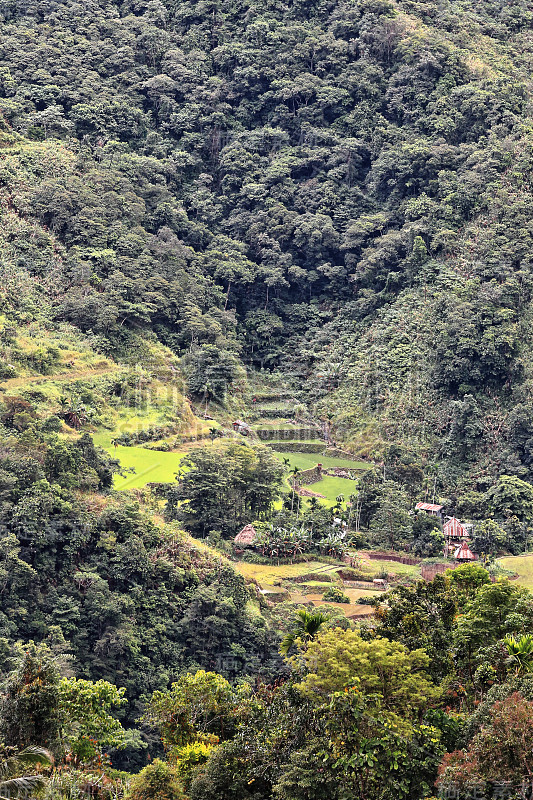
(12,784)
(299,411)
(294,472)
(352,500)
(339,501)
(306,626)
(520,652)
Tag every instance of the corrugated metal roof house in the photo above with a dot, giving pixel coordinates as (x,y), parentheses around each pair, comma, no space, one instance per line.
(463,553)
(453,529)
(431,508)
(241,427)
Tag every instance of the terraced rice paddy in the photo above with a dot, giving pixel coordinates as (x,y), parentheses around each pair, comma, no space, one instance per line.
(270,576)
(309,460)
(269,573)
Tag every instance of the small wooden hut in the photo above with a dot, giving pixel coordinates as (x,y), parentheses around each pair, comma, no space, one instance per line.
(430,508)
(241,427)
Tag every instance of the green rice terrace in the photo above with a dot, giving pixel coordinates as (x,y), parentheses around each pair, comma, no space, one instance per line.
(143,418)
(305,582)
(280,421)
(149,466)
(157,461)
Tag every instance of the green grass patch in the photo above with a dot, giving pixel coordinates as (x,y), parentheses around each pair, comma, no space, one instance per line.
(331,488)
(267,574)
(374,567)
(151,466)
(522,566)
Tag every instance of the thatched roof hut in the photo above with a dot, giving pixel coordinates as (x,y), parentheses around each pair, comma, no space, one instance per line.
(247,537)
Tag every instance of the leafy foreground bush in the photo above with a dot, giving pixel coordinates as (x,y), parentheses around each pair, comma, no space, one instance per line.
(157,781)
(335,595)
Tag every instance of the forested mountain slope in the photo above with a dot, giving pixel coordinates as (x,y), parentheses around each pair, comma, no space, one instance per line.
(316,208)
(338,189)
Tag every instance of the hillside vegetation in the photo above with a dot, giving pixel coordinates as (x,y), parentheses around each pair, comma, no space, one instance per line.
(336,189)
(238,238)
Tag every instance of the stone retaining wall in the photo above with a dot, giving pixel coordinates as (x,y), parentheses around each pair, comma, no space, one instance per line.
(287,433)
(361,585)
(273,396)
(306,477)
(298,447)
(275,413)
(343,472)
(393,557)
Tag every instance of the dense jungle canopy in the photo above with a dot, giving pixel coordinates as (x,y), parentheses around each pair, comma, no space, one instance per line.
(327,201)
(336,189)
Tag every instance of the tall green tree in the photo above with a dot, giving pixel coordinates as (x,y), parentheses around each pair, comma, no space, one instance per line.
(31,704)
(224,488)
(306,627)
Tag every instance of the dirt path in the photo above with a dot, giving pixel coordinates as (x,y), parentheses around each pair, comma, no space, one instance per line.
(15,383)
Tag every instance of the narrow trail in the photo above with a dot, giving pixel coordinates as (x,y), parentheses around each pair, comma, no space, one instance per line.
(16,383)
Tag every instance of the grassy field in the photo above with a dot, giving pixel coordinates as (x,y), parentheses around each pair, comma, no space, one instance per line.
(523,566)
(269,573)
(331,488)
(149,465)
(392,567)
(309,460)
